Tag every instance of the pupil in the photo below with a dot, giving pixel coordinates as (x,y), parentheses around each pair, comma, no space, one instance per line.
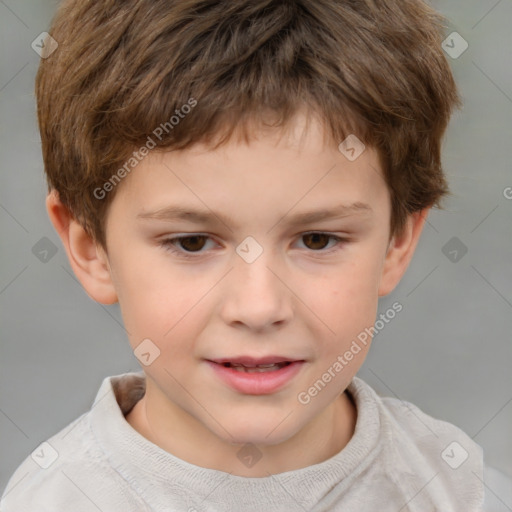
(315,237)
(194,247)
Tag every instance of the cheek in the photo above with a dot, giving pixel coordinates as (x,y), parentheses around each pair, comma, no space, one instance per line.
(156,301)
(346,297)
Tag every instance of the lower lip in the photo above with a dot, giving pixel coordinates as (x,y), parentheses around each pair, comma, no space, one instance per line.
(257,383)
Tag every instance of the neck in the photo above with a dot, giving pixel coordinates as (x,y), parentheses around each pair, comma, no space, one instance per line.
(325,436)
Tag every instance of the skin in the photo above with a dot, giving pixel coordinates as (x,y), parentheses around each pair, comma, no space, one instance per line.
(302,298)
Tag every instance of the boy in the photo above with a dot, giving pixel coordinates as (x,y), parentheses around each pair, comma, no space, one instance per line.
(255,130)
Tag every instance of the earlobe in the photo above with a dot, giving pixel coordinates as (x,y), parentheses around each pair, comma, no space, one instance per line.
(401,251)
(87,259)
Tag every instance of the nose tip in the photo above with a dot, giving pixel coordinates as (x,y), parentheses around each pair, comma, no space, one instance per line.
(255,296)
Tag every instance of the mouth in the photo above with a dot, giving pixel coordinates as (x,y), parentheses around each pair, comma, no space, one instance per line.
(256,376)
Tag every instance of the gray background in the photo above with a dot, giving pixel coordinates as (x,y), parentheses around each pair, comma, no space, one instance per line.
(449,351)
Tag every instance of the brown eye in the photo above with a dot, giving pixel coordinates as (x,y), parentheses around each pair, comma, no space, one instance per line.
(318,241)
(186,246)
(192,243)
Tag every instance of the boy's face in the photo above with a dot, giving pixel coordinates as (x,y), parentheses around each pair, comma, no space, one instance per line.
(305,298)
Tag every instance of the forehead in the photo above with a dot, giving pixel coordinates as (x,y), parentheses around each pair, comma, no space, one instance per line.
(295,168)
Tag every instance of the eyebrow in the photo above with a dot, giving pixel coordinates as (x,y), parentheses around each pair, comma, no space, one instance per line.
(177,212)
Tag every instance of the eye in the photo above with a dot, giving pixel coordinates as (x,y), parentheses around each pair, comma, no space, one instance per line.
(190,243)
(317,241)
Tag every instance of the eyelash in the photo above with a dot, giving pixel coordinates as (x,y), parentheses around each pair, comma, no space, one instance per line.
(169,244)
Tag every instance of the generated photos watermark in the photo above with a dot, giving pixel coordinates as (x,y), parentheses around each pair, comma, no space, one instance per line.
(304,397)
(143,151)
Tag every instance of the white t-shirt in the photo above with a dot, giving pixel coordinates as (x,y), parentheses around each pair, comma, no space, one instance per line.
(399,459)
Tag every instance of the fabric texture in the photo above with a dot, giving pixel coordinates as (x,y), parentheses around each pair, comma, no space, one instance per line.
(399,459)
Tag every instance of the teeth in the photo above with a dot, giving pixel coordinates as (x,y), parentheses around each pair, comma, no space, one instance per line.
(257,369)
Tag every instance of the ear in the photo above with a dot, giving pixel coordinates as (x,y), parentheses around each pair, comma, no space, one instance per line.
(400,252)
(86,257)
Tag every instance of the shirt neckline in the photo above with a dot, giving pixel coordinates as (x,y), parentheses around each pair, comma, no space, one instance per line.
(153,472)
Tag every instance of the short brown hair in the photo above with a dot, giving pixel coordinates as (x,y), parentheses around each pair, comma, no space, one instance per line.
(374,68)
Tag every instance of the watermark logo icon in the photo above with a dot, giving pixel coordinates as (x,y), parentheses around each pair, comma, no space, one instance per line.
(44,45)
(249,250)
(352,148)
(455,45)
(45,455)
(146,352)
(44,250)
(454,249)
(454,455)
(249,455)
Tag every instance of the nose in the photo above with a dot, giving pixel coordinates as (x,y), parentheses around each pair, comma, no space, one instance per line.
(256,295)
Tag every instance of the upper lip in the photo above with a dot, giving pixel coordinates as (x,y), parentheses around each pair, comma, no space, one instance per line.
(255,361)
